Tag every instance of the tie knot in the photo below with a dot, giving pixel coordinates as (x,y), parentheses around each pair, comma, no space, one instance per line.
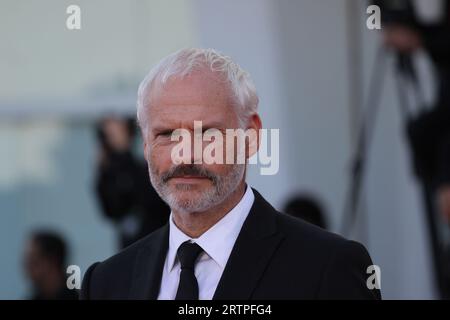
(188,253)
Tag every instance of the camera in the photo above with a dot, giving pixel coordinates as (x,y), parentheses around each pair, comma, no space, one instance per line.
(397,12)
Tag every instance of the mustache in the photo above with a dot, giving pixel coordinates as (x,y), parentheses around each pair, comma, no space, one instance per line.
(188,170)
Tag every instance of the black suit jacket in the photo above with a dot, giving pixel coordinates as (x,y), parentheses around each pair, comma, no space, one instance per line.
(274,257)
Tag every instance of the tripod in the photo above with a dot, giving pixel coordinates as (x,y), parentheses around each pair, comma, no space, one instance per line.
(405,76)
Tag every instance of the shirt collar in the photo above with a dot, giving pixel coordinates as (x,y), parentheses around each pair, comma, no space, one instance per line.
(218,241)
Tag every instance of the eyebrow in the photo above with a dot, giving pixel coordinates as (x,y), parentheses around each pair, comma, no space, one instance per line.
(210,125)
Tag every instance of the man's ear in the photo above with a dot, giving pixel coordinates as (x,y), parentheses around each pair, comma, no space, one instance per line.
(255,124)
(145,150)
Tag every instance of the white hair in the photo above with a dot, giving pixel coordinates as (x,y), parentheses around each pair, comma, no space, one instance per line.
(184,61)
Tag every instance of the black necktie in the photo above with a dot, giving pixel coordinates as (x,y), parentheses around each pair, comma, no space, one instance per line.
(187,255)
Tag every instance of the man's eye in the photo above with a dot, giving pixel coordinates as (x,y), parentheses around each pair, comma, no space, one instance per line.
(167,133)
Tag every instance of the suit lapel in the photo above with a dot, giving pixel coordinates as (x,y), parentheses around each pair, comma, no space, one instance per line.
(148,266)
(254,247)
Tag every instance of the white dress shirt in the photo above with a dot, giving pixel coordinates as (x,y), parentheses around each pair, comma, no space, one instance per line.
(217,243)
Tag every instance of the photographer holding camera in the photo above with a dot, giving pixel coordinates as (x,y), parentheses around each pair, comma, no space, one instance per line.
(411,26)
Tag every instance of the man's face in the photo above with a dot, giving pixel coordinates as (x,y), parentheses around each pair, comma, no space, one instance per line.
(176,105)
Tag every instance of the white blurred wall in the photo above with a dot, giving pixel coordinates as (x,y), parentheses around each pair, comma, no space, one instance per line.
(53,83)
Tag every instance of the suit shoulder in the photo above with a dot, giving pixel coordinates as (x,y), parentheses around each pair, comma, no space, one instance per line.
(297,229)
(112,278)
(337,265)
(125,259)
(318,242)
(297,232)
(129,252)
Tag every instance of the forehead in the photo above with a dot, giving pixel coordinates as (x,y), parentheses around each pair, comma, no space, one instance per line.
(200,96)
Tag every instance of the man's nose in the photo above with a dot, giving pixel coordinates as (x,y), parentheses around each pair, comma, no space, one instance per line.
(197,148)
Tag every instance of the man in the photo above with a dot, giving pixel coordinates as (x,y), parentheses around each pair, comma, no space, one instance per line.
(44,262)
(223,240)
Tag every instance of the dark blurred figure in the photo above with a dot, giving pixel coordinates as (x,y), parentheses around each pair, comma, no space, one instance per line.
(123,186)
(45,264)
(308,209)
(405,32)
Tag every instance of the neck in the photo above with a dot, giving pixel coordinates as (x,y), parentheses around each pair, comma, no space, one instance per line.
(53,283)
(194,224)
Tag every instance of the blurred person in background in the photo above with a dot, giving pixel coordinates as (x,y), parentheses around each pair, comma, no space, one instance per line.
(45,264)
(308,209)
(410,26)
(123,187)
(425,25)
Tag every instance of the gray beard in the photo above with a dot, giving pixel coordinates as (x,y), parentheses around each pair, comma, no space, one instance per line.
(222,188)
